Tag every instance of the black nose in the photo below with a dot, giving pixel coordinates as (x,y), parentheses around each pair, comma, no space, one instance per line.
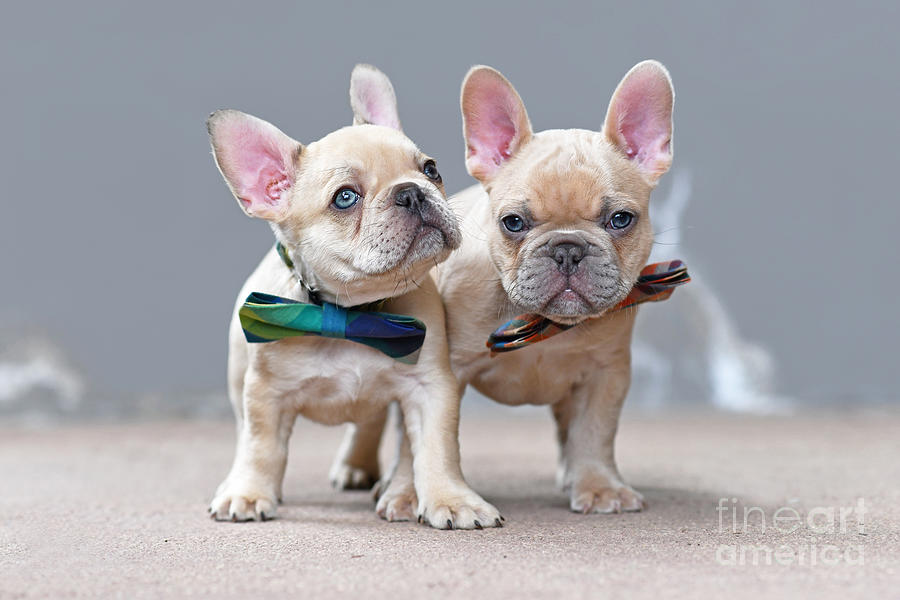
(409,195)
(567,256)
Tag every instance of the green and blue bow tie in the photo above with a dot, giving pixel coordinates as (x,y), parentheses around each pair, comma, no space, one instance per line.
(268,318)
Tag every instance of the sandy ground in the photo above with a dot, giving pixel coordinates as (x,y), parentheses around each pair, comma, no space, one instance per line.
(119,511)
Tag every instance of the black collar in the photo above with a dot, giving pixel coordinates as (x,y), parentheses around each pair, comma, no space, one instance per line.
(314,296)
(313,293)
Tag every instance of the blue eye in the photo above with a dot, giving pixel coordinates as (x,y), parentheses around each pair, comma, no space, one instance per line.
(345,198)
(513,223)
(620,220)
(431,171)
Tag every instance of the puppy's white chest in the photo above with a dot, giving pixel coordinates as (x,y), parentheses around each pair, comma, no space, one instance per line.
(529,376)
(548,371)
(328,381)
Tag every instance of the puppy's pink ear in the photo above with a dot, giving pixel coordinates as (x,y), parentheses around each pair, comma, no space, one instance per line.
(495,123)
(258,161)
(372,98)
(639,119)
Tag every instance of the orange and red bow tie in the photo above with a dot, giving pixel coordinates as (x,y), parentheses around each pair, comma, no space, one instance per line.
(656,282)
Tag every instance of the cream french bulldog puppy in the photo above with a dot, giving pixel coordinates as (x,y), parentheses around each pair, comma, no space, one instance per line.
(361,216)
(559,227)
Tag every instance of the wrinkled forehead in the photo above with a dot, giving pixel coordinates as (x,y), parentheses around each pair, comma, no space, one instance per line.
(376,154)
(567,174)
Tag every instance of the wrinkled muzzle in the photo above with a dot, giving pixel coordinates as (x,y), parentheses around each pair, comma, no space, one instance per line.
(566,274)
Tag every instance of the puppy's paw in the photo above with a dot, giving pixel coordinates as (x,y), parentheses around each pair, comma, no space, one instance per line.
(348,477)
(233,504)
(605,499)
(458,509)
(397,502)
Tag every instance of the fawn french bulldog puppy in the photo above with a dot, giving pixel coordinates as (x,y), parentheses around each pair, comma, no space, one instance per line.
(360,217)
(559,228)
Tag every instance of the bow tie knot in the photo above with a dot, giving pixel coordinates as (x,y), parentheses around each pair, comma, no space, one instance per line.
(334,321)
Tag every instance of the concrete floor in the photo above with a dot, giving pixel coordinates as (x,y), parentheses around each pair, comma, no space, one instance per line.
(119,511)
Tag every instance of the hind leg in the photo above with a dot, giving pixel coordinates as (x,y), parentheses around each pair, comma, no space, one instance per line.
(586,427)
(356,465)
(396,493)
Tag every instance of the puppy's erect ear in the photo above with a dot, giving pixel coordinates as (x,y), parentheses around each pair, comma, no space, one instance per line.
(372,98)
(495,123)
(639,119)
(258,161)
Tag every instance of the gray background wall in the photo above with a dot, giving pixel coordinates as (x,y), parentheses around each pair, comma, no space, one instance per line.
(786,116)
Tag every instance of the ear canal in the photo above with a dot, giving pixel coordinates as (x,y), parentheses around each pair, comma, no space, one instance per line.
(639,118)
(372,98)
(256,159)
(495,124)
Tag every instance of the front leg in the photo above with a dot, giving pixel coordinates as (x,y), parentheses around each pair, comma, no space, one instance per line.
(253,486)
(586,423)
(432,424)
(429,399)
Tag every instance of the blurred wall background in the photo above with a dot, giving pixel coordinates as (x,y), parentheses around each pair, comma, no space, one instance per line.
(121,250)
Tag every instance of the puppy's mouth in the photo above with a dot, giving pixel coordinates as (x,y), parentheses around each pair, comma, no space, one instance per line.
(435,235)
(427,230)
(428,241)
(447,226)
(569,306)
(567,299)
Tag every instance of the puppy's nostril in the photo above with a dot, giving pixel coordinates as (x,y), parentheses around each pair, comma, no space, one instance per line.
(567,256)
(409,195)
(566,251)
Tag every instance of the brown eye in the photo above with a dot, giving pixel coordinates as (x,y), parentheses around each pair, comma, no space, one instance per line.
(431,172)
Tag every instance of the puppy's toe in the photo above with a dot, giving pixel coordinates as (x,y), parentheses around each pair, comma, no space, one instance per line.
(396,498)
(239,507)
(464,517)
(397,503)
(348,477)
(465,510)
(607,500)
(631,499)
(602,501)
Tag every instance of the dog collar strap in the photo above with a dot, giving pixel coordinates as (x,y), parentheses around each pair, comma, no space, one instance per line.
(268,318)
(656,282)
(286,259)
